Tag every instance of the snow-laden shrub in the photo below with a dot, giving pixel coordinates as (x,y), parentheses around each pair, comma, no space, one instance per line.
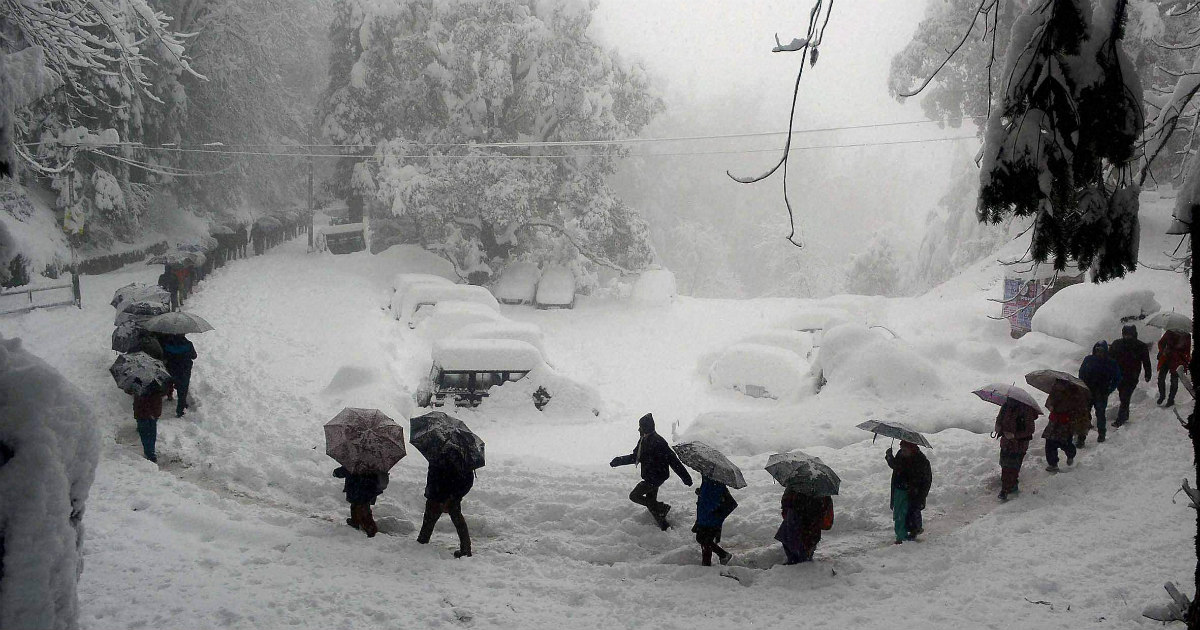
(1086,313)
(49,449)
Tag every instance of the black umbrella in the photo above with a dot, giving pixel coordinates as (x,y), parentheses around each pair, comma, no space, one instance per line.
(127,337)
(804,473)
(896,430)
(711,463)
(438,435)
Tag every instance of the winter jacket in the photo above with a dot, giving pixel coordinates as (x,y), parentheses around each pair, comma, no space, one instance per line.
(1133,356)
(1174,350)
(178,353)
(1017,420)
(168,282)
(147,407)
(448,480)
(1060,427)
(1074,408)
(713,503)
(657,460)
(804,516)
(151,346)
(1100,372)
(362,488)
(911,472)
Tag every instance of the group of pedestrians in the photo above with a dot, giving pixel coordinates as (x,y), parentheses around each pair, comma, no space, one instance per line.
(1116,368)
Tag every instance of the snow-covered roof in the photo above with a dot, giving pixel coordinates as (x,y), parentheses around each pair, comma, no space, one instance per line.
(507,329)
(341,229)
(486,355)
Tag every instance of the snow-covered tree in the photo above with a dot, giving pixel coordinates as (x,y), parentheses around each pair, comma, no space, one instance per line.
(701,257)
(437,88)
(876,270)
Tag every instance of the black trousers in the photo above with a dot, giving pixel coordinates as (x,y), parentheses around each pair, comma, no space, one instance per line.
(1125,393)
(433,512)
(1162,383)
(646,493)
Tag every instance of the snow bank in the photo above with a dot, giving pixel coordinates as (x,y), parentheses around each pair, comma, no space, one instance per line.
(517,284)
(761,371)
(519,331)
(855,359)
(570,400)
(49,449)
(655,287)
(1086,313)
(556,288)
(446,318)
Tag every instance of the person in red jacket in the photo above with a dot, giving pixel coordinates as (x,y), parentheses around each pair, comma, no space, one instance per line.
(147,408)
(1174,354)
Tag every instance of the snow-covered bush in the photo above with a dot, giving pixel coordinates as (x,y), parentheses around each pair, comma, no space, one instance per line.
(1086,313)
(49,449)
(762,371)
(875,271)
(654,287)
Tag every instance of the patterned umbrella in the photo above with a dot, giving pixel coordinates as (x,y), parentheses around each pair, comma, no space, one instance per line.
(139,312)
(436,435)
(139,374)
(1171,321)
(139,292)
(177,323)
(127,337)
(1044,381)
(173,258)
(1000,393)
(711,463)
(897,430)
(364,440)
(804,473)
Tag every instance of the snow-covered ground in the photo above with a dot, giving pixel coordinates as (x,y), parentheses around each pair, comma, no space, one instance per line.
(241,523)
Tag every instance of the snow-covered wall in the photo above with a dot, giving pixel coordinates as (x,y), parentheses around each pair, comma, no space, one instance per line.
(49,449)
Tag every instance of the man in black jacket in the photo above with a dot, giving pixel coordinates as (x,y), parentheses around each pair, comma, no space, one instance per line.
(1133,356)
(657,460)
(448,481)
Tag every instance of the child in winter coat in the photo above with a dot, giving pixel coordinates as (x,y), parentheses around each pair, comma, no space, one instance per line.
(713,506)
(361,491)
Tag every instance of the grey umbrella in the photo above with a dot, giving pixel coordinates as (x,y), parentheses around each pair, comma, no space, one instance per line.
(438,435)
(127,337)
(177,323)
(1044,380)
(897,430)
(804,473)
(1171,321)
(139,374)
(139,312)
(218,230)
(711,463)
(174,258)
(1000,393)
(364,440)
(139,292)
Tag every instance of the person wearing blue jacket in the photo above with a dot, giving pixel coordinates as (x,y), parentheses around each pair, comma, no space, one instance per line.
(178,354)
(713,504)
(1101,373)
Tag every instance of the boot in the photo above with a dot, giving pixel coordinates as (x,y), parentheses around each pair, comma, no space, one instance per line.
(1161,397)
(463,553)
(1170,402)
(725,558)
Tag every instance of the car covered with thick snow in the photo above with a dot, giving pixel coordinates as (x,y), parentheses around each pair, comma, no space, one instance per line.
(447,317)
(517,284)
(761,371)
(556,289)
(505,329)
(403,282)
(464,370)
(654,287)
(415,303)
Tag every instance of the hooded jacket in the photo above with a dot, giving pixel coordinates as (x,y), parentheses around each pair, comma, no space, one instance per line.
(1100,372)
(654,456)
(1132,354)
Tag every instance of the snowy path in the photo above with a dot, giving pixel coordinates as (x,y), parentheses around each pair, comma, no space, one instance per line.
(242,525)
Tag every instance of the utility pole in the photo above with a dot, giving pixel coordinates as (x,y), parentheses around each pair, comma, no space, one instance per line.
(311,202)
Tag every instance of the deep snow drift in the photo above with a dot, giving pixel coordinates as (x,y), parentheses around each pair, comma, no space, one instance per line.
(242,525)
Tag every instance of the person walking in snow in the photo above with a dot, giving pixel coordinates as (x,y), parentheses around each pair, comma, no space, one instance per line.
(805,516)
(147,408)
(1058,432)
(1014,428)
(361,491)
(656,459)
(256,235)
(1174,354)
(178,355)
(1133,355)
(448,481)
(1102,375)
(911,479)
(714,503)
(170,283)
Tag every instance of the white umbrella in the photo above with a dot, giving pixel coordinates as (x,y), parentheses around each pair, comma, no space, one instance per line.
(1000,393)
(1171,321)
(177,323)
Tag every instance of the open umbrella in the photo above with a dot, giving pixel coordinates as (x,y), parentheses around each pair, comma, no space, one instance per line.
(127,337)
(140,312)
(139,292)
(1044,380)
(139,374)
(1171,321)
(897,430)
(804,473)
(177,323)
(364,440)
(1000,393)
(217,230)
(175,258)
(436,435)
(711,463)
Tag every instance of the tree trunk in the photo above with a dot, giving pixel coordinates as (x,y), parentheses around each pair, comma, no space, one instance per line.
(1193,613)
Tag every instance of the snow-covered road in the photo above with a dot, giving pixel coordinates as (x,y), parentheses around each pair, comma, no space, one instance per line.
(242,524)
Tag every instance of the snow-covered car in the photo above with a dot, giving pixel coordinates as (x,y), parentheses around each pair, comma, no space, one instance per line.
(506,329)
(465,369)
(556,289)
(814,321)
(449,316)
(654,287)
(517,284)
(761,371)
(412,307)
(404,282)
(798,342)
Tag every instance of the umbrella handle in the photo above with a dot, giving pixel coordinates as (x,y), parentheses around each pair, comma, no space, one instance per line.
(873,436)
